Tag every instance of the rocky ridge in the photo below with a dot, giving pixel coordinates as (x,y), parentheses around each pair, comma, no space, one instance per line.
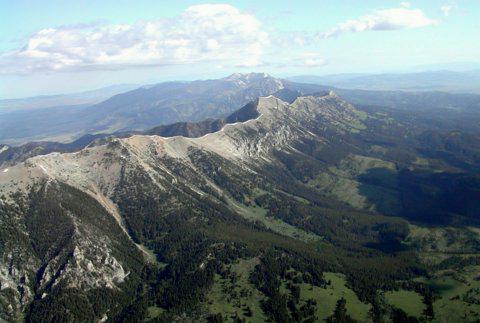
(83,254)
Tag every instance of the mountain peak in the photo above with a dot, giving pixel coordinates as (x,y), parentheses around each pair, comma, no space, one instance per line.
(247,76)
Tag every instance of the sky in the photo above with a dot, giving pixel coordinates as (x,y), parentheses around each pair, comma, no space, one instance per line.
(50,47)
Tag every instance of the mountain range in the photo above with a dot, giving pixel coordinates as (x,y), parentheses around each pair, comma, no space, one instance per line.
(275,200)
(439,80)
(81,98)
(171,102)
(139,109)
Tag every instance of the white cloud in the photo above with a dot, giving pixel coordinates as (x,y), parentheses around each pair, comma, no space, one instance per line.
(446,9)
(302,60)
(386,19)
(202,33)
(405,4)
(292,39)
(311,60)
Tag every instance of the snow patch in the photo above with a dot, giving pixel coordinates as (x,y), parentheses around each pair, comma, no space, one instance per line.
(5,170)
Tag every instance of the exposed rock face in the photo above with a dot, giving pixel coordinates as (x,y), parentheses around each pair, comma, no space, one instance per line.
(67,212)
(57,237)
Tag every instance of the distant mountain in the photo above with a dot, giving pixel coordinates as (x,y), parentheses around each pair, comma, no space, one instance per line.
(13,155)
(453,66)
(185,103)
(46,101)
(141,109)
(448,81)
(166,103)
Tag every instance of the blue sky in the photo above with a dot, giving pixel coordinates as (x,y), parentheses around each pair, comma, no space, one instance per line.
(51,47)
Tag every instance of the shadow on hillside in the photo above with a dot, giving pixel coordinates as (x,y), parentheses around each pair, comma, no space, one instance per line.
(425,197)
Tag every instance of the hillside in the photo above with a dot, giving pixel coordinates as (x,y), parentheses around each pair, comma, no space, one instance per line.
(284,207)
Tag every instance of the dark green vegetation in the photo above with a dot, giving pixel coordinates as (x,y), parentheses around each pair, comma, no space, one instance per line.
(372,217)
(56,218)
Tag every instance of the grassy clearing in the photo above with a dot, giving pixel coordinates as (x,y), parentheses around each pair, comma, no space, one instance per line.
(458,290)
(362,115)
(233,295)
(298,198)
(345,184)
(154,312)
(257,213)
(353,125)
(151,256)
(421,162)
(357,165)
(459,294)
(437,243)
(327,298)
(343,188)
(408,301)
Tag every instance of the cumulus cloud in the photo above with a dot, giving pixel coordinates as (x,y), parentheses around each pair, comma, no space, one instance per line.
(386,19)
(202,33)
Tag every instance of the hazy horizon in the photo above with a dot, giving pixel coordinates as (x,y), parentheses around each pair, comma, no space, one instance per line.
(72,47)
(293,75)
